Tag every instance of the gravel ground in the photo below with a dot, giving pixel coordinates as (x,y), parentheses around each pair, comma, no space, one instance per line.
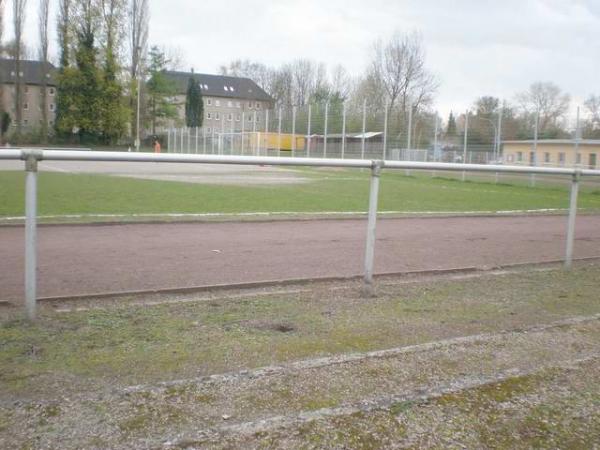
(502,360)
(77,260)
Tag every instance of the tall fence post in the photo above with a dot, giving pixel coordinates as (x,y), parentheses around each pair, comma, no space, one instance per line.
(464,173)
(409,136)
(293,131)
(279,133)
(499,143)
(266,133)
(385,130)
(232,139)
(31,169)
(308,138)
(325,131)
(343,129)
(535,146)
(435,142)
(243,129)
(255,150)
(168,140)
(182,138)
(376,167)
(196,148)
(364,129)
(204,140)
(571,221)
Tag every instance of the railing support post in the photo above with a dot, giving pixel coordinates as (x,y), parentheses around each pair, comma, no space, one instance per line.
(368,288)
(31,170)
(571,221)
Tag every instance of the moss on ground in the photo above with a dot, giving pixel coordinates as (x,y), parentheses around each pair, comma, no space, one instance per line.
(137,344)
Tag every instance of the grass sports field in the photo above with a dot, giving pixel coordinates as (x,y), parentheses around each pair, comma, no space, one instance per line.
(326,191)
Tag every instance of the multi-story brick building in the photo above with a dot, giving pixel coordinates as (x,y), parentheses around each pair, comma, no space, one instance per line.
(33,74)
(227,100)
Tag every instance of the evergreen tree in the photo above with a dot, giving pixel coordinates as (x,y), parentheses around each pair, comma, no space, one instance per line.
(451,130)
(194,105)
(160,89)
(82,84)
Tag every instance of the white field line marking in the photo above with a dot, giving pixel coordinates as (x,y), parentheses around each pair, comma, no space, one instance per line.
(281,213)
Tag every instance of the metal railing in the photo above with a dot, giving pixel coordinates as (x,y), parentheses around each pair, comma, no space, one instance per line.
(32,157)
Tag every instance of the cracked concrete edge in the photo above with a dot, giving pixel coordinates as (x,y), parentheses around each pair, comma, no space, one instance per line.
(366,406)
(354,357)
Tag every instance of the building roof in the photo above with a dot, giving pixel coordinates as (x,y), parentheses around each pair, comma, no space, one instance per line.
(556,142)
(33,72)
(220,86)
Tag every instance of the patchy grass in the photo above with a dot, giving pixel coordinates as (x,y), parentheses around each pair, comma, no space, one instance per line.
(136,344)
(329,191)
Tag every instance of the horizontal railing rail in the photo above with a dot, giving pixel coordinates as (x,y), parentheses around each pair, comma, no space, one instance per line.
(33,156)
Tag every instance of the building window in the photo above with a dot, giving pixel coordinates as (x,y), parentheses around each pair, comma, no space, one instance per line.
(238,117)
(209,102)
(519,156)
(52,107)
(225,88)
(561,159)
(209,116)
(217,102)
(250,105)
(258,118)
(231,88)
(208,130)
(238,105)
(230,104)
(249,118)
(257,105)
(25,122)
(230,117)
(26,89)
(217,116)
(546,157)
(26,106)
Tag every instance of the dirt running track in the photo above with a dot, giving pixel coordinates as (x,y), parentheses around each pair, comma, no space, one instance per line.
(93,259)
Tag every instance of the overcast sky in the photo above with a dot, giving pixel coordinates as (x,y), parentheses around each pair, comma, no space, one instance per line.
(475,47)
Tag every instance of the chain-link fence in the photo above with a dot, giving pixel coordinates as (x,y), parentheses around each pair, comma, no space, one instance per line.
(365,131)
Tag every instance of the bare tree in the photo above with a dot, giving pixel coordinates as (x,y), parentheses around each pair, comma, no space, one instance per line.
(304,72)
(592,104)
(257,72)
(547,100)
(139,15)
(399,66)
(341,82)
(44,13)
(19,7)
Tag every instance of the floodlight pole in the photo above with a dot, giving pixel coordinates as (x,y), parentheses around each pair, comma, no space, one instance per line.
(409,136)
